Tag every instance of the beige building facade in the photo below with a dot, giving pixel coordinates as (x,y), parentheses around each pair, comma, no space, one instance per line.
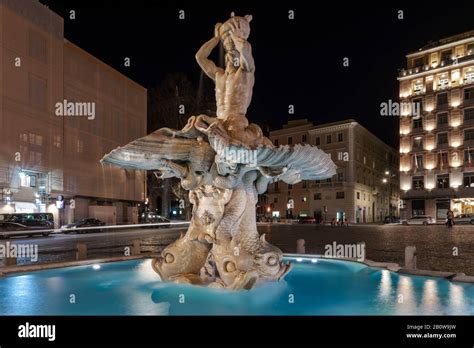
(365,188)
(61,110)
(437,144)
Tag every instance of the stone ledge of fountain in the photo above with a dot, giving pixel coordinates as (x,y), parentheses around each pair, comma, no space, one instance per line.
(461,277)
(391,266)
(428,273)
(46,266)
(396,268)
(452,276)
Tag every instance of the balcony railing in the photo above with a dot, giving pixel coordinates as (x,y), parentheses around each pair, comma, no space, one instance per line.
(468,142)
(442,106)
(442,146)
(327,184)
(468,102)
(468,81)
(465,58)
(417,130)
(445,63)
(440,126)
(468,122)
(443,86)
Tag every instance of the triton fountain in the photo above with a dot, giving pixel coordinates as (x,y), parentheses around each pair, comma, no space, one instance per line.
(224,162)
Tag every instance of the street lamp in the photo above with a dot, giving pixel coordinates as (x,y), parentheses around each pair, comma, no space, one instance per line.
(385,180)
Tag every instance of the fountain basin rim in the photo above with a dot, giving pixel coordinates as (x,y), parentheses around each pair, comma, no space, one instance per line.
(392,267)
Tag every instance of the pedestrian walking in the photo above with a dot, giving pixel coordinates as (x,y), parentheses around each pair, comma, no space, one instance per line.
(450,218)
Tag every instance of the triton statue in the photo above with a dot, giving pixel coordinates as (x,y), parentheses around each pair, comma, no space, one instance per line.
(224,162)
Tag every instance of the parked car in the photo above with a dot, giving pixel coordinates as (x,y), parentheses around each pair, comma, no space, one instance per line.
(40,220)
(9,229)
(391,220)
(86,222)
(306,220)
(464,219)
(419,220)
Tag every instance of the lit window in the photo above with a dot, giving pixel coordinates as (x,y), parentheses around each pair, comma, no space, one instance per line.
(470,48)
(418,87)
(57,141)
(443,82)
(469,77)
(442,181)
(80,146)
(24,180)
(469,179)
(418,183)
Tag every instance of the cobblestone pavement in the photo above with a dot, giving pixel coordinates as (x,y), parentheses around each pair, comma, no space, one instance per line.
(385,242)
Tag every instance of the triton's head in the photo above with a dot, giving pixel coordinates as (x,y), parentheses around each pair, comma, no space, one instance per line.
(239,25)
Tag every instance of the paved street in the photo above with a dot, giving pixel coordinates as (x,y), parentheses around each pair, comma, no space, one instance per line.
(61,247)
(387,242)
(384,243)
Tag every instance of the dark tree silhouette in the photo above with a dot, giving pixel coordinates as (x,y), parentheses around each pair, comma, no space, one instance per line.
(170,104)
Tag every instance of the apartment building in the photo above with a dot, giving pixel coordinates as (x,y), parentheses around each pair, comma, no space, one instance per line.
(61,110)
(365,188)
(437,144)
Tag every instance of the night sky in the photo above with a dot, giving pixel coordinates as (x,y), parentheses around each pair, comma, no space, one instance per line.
(298,62)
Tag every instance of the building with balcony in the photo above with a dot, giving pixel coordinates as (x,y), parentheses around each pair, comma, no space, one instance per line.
(437,146)
(365,188)
(46,155)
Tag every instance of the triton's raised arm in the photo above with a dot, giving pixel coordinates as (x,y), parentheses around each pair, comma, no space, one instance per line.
(245,51)
(202,56)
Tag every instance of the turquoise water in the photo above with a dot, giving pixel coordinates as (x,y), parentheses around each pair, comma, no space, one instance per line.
(313,287)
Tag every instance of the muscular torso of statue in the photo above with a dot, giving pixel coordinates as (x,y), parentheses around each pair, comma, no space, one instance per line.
(233,93)
(234,84)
